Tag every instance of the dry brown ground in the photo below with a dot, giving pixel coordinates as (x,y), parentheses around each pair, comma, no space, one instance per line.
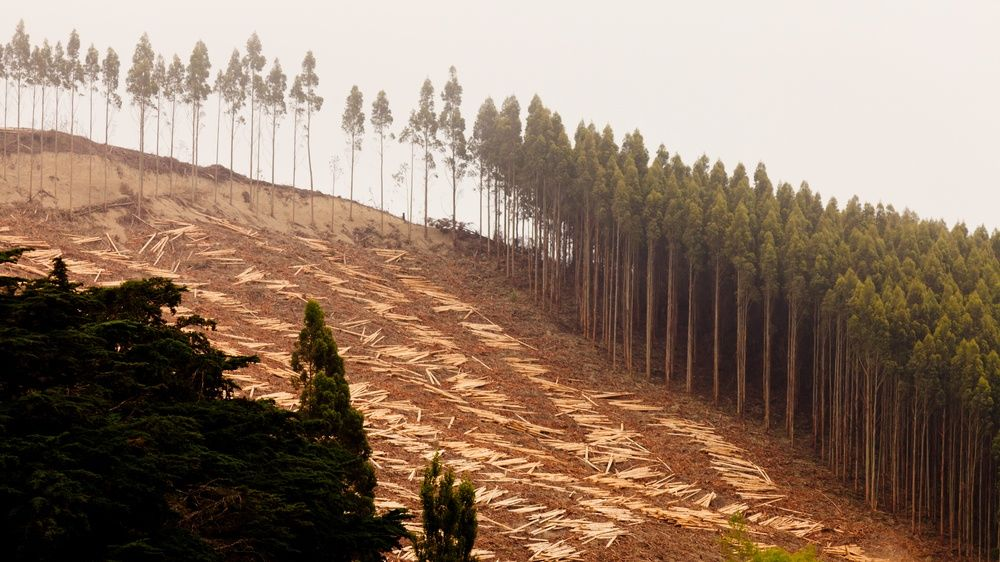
(573,461)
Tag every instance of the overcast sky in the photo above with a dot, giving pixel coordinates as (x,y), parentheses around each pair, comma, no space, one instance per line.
(892,101)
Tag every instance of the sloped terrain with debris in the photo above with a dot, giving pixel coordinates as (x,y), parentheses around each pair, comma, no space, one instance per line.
(571,460)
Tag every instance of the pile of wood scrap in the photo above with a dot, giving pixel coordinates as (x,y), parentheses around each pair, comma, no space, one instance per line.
(222,255)
(475,390)
(254,275)
(794,525)
(318,245)
(248,232)
(545,551)
(517,424)
(492,336)
(423,286)
(21,242)
(749,480)
(390,255)
(705,519)
(849,552)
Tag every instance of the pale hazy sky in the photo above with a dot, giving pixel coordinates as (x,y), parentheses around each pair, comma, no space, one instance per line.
(892,101)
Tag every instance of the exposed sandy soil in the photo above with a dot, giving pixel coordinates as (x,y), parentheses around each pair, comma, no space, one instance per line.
(574,461)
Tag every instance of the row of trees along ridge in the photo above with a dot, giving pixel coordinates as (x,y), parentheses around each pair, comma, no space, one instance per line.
(244,92)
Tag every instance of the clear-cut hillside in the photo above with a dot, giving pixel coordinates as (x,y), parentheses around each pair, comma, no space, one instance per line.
(572,461)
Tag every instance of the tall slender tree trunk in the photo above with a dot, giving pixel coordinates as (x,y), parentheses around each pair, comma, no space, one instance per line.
(295,143)
(173,121)
(381,183)
(142,152)
(350,202)
(426,182)
(31,159)
(668,360)
(90,156)
(55,148)
(717,294)
(742,306)
(454,196)
(274,134)
(218,139)
(107,149)
(692,319)
(196,114)
(72,132)
(17,138)
(250,167)
(614,298)
(793,321)
(309,146)
(258,187)
(480,224)
(232,152)
(767,357)
(650,254)
(413,163)
(156,165)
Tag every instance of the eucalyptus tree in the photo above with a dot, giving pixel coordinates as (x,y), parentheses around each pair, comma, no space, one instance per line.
(539,172)
(218,85)
(74,77)
(770,285)
(19,55)
(716,231)
(196,90)
(381,121)
(353,125)
(274,97)
(311,101)
(40,76)
(452,126)
(160,78)
(298,97)
(335,170)
(481,148)
(408,136)
(742,256)
(692,237)
(91,73)
(672,227)
(173,87)
(140,85)
(234,92)
(509,154)
(110,69)
(424,127)
(253,64)
(796,275)
(55,70)
(654,209)
(52,76)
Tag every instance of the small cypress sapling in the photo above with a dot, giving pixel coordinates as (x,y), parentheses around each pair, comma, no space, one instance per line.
(326,396)
(450,524)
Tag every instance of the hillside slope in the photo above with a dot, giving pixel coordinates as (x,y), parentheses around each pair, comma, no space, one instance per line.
(572,460)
